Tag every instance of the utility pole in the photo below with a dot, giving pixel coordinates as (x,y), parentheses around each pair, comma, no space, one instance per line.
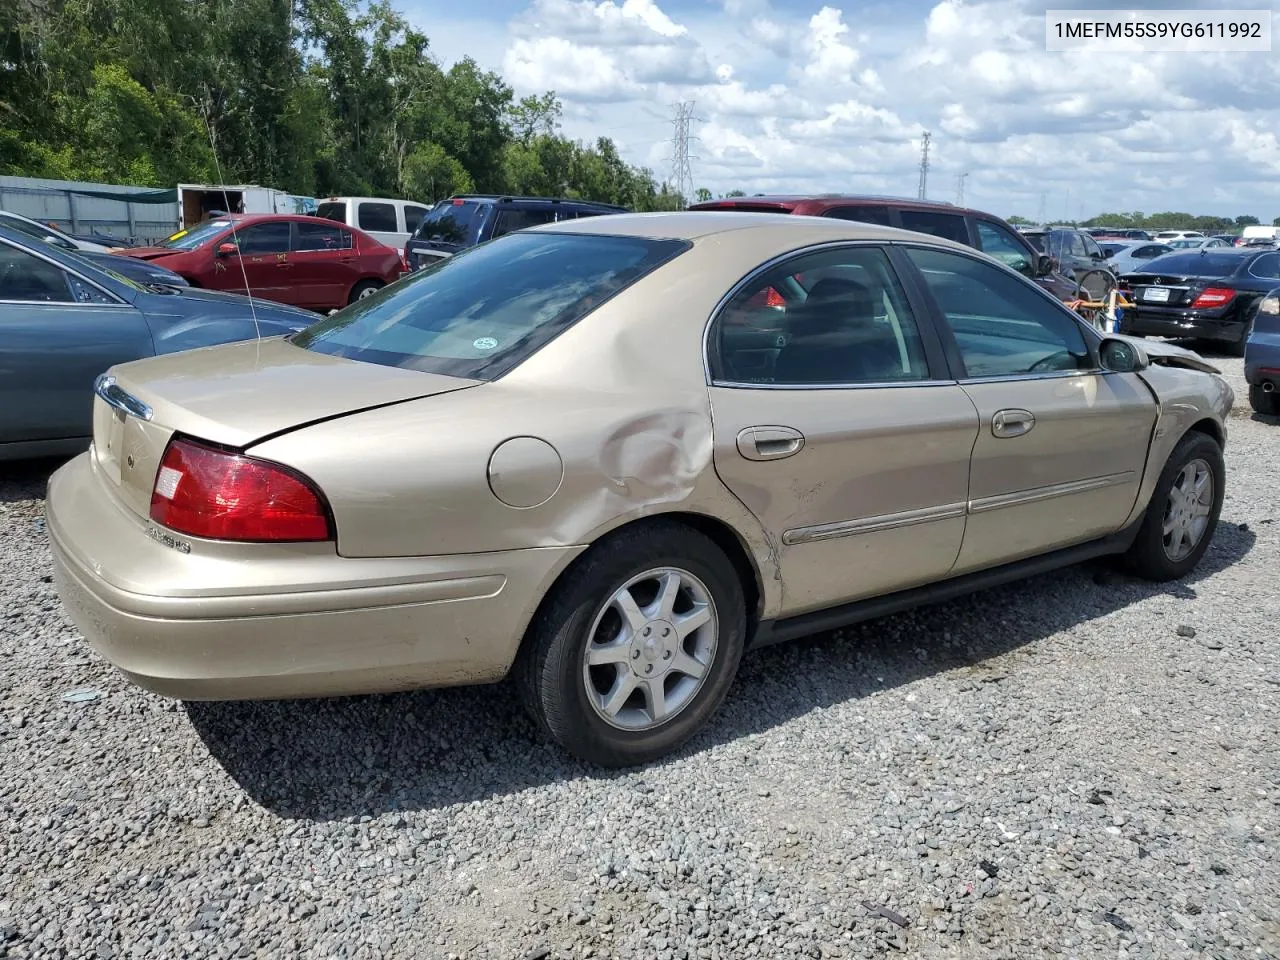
(681,166)
(960,188)
(924,164)
(1040,214)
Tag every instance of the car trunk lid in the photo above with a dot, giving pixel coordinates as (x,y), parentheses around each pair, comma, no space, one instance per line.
(232,395)
(1167,289)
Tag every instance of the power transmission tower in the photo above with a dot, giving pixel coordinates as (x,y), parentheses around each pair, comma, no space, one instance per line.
(960,188)
(1040,214)
(681,166)
(924,164)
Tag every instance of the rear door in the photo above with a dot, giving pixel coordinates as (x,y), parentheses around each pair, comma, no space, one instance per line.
(1062,445)
(57,333)
(836,425)
(324,264)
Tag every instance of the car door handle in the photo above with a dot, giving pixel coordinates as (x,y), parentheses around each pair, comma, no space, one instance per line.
(1012,423)
(769,443)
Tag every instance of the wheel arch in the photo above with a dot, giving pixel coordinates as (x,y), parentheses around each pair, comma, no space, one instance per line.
(728,540)
(1210,428)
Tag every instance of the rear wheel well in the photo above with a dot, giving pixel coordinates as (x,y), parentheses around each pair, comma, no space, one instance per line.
(718,532)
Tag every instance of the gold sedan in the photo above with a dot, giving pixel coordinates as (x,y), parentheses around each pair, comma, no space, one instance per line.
(612,454)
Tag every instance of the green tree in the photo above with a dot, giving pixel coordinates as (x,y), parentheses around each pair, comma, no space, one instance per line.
(1247,221)
(703,194)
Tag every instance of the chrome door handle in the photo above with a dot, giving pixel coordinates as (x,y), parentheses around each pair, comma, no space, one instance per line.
(769,443)
(1012,423)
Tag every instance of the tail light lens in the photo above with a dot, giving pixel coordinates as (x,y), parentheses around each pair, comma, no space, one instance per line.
(1212,297)
(206,492)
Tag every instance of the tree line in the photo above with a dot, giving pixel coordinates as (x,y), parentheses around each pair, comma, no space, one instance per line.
(1169,220)
(316,97)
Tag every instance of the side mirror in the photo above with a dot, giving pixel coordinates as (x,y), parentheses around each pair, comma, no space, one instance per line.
(226,250)
(1044,265)
(1121,356)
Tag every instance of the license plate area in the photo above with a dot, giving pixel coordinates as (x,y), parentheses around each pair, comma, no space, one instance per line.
(1156,294)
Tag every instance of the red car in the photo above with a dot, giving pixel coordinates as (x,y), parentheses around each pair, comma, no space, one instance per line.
(303,261)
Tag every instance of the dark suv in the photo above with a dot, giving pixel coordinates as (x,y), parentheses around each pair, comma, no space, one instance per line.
(468,219)
(982,231)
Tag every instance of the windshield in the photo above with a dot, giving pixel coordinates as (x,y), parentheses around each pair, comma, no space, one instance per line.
(452,221)
(1198,264)
(1187,244)
(332,210)
(196,236)
(478,314)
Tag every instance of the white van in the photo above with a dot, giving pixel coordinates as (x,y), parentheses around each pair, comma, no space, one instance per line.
(391,222)
(1259,233)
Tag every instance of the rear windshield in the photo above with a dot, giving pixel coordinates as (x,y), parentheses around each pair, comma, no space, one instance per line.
(1196,264)
(332,210)
(452,221)
(480,313)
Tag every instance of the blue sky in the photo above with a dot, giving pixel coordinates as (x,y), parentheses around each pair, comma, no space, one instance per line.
(801,96)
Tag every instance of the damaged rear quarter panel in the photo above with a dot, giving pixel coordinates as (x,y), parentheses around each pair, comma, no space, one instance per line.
(621,397)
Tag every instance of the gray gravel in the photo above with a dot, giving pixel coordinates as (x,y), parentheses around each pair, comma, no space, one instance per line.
(1080,766)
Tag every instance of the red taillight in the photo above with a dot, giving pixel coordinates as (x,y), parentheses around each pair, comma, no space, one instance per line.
(1212,297)
(772,298)
(206,492)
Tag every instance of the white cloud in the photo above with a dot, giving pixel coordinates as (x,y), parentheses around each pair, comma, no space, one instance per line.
(823,100)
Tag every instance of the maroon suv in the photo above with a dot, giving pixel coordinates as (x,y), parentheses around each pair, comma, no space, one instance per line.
(983,231)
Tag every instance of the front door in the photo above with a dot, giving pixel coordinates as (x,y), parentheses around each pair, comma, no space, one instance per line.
(1062,444)
(263,262)
(835,425)
(57,333)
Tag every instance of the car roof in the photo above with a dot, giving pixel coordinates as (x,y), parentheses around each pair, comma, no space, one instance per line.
(788,201)
(515,198)
(699,224)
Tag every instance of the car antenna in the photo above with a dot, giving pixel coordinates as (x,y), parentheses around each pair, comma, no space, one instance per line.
(244,274)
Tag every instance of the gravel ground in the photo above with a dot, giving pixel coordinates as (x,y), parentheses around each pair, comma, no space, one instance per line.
(1079,766)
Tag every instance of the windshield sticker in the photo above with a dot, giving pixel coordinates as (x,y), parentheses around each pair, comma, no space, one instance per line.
(177,236)
(484,343)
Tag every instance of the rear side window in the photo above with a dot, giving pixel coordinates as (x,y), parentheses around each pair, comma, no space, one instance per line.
(332,210)
(509,221)
(379,217)
(878,215)
(320,236)
(946,225)
(453,221)
(480,313)
(413,217)
(1266,267)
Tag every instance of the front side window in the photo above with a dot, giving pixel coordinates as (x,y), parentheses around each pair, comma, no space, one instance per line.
(378,217)
(1091,247)
(261,238)
(509,221)
(1002,325)
(29,279)
(480,313)
(999,243)
(949,226)
(834,317)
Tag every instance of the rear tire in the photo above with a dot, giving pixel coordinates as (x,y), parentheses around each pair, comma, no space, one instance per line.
(1173,539)
(365,288)
(1267,404)
(582,654)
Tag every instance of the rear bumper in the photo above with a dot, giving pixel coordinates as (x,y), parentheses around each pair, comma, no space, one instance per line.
(301,622)
(1262,359)
(1176,324)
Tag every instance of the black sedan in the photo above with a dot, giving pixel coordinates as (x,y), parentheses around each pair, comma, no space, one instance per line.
(1200,294)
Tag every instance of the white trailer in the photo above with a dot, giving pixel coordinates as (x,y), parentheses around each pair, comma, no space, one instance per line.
(197,201)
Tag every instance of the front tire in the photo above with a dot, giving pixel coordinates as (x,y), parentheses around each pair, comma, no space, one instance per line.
(1267,404)
(1183,513)
(635,649)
